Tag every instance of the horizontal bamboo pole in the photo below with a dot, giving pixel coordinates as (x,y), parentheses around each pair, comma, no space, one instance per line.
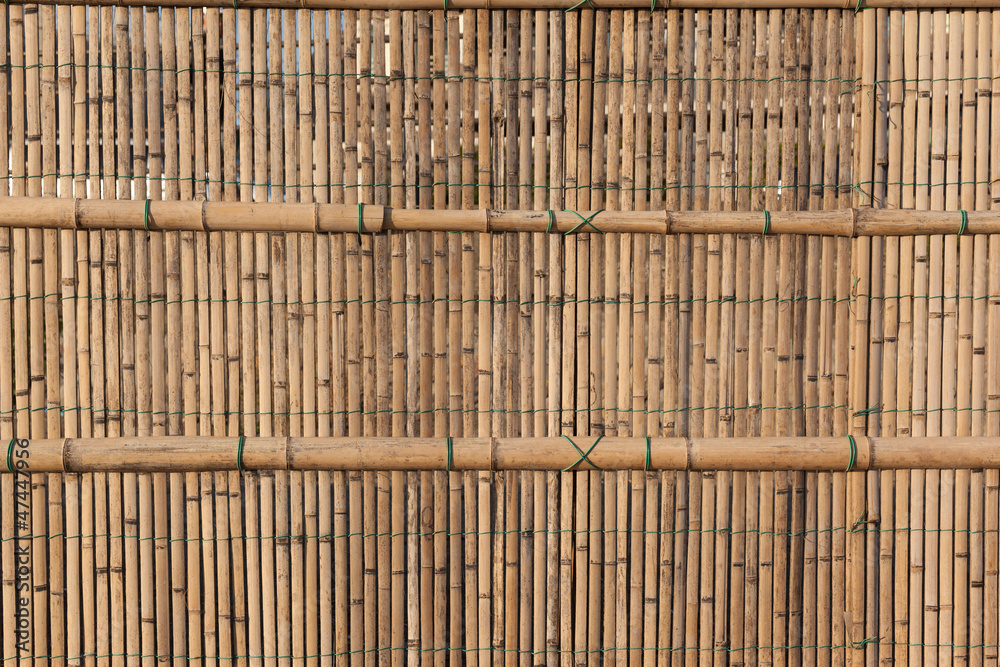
(88,214)
(535,5)
(192,454)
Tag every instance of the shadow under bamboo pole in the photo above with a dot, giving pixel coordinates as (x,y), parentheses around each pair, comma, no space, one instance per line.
(191,454)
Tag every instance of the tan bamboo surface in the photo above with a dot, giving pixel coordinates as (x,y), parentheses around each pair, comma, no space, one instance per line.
(87,214)
(245,302)
(220,126)
(776,453)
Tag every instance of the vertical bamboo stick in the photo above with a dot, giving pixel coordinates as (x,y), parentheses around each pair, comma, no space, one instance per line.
(33,102)
(128,414)
(7,485)
(992,519)
(6,83)
(681,530)
(486,277)
(206,488)
(18,139)
(71,404)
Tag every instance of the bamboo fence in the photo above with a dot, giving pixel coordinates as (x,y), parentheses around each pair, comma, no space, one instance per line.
(119,334)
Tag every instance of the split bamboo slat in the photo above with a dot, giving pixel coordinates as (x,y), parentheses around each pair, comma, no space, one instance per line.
(489,333)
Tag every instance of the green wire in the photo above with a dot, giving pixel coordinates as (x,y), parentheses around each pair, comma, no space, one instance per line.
(583,455)
(239,453)
(585,221)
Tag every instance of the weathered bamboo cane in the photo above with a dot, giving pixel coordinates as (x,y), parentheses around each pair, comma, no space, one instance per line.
(92,214)
(774,453)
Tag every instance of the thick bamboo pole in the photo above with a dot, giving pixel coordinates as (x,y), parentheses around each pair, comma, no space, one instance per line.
(777,453)
(92,214)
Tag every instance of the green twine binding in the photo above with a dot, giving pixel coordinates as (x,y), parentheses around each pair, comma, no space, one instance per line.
(583,454)
(870,410)
(360,205)
(239,453)
(858,8)
(854,453)
(552,220)
(145,216)
(10,455)
(234,5)
(767,223)
(648,457)
(585,221)
(569,9)
(652,6)
(448,463)
(965,221)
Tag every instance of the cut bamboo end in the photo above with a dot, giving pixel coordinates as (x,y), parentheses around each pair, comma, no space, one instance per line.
(94,214)
(199,454)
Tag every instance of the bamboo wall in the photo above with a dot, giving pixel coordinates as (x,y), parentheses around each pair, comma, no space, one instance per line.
(121,333)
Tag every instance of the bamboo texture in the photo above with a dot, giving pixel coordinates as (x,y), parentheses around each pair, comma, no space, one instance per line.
(296,453)
(248,130)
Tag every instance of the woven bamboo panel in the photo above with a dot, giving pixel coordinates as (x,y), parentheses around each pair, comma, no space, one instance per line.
(464,109)
(120,333)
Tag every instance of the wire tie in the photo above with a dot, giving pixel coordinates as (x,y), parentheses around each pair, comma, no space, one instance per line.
(446,5)
(585,221)
(360,205)
(652,7)
(767,223)
(10,455)
(965,221)
(858,8)
(870,410)
(239,453)
(145,216)
(648,457)
(552,220)
(583,454)
(854,453)
(234,5)
(589,2)
(448,463)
